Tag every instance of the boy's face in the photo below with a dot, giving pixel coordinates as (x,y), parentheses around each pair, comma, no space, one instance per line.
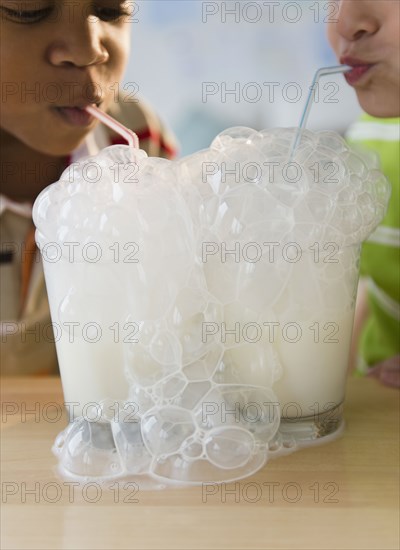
(367,37)
(57,55)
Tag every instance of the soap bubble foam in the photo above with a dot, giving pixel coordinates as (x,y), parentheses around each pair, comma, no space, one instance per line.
(206,407)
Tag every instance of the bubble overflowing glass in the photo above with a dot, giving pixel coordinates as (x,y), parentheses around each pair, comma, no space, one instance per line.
(203,308)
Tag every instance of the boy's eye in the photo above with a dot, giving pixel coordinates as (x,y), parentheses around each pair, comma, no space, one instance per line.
(110,14)
(27,16)
(34,16)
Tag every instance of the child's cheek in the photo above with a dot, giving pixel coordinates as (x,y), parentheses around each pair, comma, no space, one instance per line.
(333,37)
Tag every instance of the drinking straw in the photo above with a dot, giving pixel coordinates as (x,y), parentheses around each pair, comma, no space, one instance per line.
(311,96)
(109,121)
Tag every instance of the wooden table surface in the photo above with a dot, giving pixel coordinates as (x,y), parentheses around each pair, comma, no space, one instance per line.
(342,495)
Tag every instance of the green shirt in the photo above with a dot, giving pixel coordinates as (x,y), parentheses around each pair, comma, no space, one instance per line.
(380,259)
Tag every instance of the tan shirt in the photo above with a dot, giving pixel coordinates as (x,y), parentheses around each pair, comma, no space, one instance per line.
(27,341)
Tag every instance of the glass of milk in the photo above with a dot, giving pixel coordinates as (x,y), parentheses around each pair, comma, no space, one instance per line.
(288,233)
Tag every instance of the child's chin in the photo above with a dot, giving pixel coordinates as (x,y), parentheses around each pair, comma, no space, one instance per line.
(379,106)
(60,148)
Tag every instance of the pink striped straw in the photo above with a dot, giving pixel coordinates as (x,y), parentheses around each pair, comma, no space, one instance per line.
(109,121)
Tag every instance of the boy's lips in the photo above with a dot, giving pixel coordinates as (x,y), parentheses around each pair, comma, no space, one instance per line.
(75,116)
(359,69)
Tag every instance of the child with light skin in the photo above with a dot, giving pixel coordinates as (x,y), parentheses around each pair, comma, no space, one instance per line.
(56,57)
(366,36)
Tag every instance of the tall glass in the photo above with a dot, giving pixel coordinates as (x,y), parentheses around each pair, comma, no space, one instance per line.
(316,321)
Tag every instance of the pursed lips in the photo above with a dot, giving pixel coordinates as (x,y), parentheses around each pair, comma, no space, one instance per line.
(359,68)
(74,115)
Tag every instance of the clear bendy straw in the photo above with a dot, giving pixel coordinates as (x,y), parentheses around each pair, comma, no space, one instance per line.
(323,71)
(109,121)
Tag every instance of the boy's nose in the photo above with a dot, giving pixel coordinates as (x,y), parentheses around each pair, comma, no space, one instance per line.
(356,19)
(80,46)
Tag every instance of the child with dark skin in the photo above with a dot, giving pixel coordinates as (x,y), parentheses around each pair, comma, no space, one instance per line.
(56,57)
(72,51)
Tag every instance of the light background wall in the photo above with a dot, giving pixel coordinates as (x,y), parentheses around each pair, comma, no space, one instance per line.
(267,51)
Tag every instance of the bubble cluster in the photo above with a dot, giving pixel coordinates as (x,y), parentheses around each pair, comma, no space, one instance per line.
(225,237)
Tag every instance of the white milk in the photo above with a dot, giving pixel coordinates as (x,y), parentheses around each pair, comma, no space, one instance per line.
(90,353)
(313,378)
